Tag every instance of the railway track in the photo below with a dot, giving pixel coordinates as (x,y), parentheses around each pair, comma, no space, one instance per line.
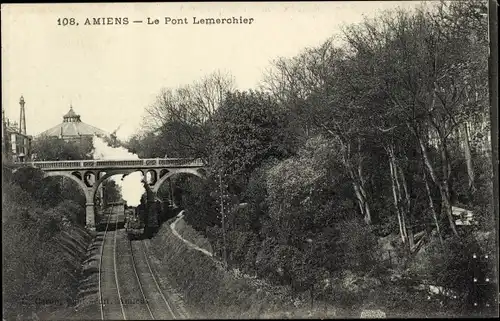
(139,299)
(110,300)
(158,305)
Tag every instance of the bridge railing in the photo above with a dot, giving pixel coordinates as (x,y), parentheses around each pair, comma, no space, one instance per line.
(54,164)
(148,162)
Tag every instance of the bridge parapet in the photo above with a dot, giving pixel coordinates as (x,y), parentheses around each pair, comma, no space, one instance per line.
(107,164)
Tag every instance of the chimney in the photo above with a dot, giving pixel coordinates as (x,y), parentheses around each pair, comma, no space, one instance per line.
(22,120)
(4,133)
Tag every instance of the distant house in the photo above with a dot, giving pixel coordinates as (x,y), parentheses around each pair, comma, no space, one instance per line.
(20,143)
(16,143)
(463,216)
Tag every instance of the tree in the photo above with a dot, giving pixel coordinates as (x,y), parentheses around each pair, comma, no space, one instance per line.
(51,148)
(326,96)
(429,88)
(184,115)
(249,128)
(145,145)
(201,205)
(306,192)
(293,80)
(464,26)
(111,191)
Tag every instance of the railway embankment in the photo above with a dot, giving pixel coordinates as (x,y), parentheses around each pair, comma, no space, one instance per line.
(48,273)
(82,257)
(43,248)
(87,304)
(208,291)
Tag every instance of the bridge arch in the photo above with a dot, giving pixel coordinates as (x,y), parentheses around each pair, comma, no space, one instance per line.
(75,179)
(89,198)
(107,175)
(173,172)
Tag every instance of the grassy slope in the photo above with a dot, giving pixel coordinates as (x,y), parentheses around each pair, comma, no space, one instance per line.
(190,234)
(210,292)
(74,243)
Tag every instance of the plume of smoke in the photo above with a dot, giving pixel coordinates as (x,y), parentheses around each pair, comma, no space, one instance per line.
(103,151)
(131,186)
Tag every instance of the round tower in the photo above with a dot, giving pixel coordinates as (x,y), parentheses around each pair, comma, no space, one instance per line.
(22,117)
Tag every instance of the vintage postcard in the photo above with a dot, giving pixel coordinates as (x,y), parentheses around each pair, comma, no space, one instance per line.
(249,160)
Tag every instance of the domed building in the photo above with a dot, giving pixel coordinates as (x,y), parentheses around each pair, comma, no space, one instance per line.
(73,129)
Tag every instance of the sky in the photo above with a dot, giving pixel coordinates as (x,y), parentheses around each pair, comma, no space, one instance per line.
(111,73)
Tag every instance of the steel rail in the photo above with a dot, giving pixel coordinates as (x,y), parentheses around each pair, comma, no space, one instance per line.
(116,275)
(139,281)
(156,282)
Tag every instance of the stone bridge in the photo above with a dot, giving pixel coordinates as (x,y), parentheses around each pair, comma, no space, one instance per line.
(89,174)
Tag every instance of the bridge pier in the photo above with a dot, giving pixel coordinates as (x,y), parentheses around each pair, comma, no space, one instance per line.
(90,216)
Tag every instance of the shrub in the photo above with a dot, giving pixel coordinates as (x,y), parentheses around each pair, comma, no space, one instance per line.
(72,212)
(454,266)
(201,205)
(402,301)
(239,244)
(357,245)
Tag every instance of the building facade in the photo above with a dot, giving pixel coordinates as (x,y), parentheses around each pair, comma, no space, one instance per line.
(16,143)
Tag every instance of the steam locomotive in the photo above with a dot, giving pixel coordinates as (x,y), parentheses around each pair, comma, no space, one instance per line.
(144,219)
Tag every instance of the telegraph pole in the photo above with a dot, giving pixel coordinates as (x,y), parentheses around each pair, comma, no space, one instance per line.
(223,220)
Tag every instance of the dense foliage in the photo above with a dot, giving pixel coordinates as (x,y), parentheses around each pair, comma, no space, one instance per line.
(50,148)
(43,243)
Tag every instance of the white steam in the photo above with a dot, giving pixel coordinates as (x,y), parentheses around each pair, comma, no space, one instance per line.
(131,185)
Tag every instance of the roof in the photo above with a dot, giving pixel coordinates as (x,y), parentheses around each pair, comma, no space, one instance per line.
(15,130)
(71,114)
(72,126)
(73,129)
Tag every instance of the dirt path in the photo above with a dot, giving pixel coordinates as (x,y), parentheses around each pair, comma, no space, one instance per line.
(191,245)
